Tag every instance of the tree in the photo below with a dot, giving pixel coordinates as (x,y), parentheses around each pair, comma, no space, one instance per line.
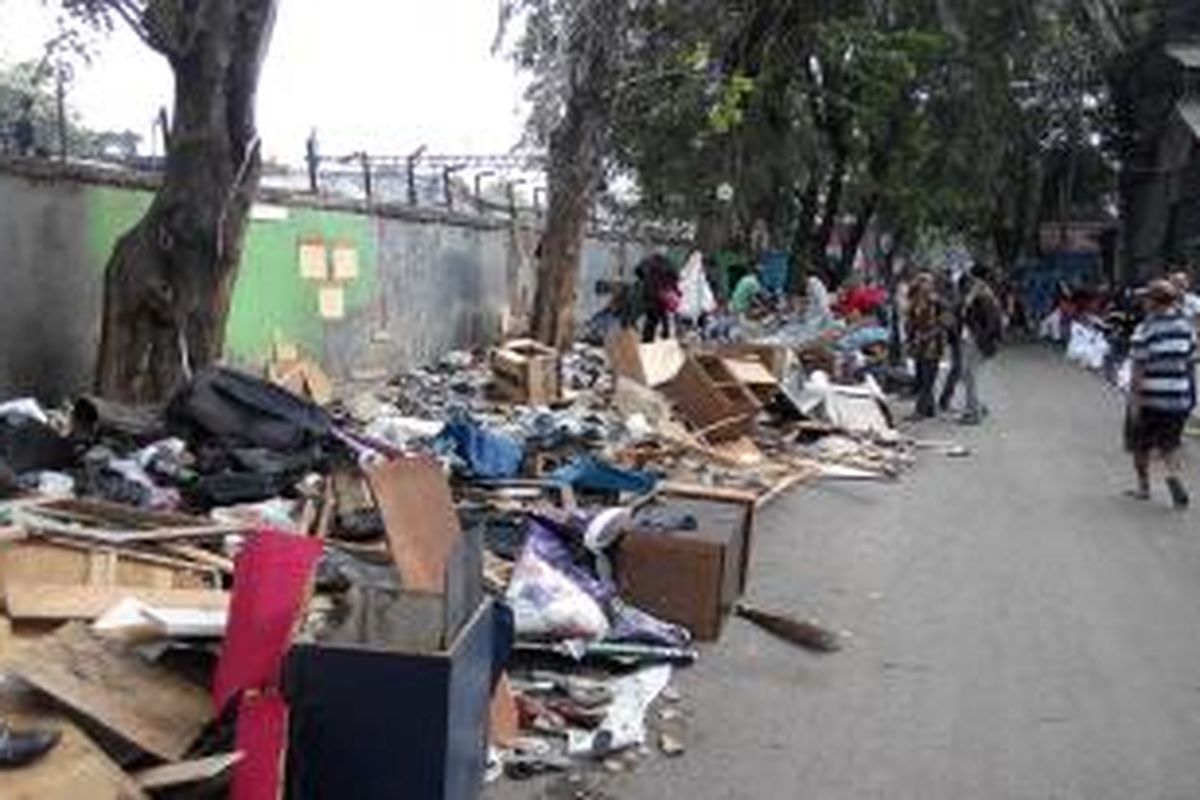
(169,280)
(576,49)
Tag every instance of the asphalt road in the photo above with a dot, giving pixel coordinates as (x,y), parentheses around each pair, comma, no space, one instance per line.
(1019,630)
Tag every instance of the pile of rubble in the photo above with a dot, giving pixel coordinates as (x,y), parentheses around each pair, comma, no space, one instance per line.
(256,589)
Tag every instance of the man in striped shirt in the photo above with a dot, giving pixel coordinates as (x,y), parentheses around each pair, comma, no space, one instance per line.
(1163,391)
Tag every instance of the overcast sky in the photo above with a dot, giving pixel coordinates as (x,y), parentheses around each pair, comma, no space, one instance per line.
(382,75)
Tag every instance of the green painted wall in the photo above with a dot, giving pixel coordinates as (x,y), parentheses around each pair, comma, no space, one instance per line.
(271,298)
(271,301)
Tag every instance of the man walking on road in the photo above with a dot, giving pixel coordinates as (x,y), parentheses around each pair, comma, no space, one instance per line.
(982,330)
(1163,389)
(926,340)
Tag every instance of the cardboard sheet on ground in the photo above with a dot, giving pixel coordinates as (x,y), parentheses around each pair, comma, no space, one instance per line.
(652,364)
(418,514)
(74,770)
(140,701)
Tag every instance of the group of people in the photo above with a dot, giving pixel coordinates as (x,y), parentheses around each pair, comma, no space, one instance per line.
(963,318)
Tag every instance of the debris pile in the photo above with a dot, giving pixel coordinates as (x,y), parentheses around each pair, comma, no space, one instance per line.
(257,590)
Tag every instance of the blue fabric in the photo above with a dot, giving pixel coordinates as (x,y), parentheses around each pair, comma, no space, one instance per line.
(773,271)
(486,454)
(863,338)
(589,474)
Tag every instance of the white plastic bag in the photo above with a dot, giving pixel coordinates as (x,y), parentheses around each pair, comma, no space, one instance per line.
(698,298)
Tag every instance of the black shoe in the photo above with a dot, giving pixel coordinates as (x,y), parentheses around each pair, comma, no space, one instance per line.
(20,749)
(1179,495)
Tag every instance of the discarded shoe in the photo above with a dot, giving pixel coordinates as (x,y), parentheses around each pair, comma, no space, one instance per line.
(22,748)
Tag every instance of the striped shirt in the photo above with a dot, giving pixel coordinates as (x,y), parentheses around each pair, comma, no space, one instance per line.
(1164,346)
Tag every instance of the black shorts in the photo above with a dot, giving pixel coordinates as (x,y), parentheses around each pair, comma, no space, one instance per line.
(1155,430)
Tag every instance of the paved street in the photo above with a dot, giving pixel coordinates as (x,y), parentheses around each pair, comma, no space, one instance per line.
(1019,629)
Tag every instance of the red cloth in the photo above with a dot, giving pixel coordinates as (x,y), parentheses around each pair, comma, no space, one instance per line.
(862,299)
(261,737)
(270,581)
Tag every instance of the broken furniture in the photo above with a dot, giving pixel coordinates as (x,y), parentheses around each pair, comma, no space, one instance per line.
(392,700)
(375,724)
(690,577)
(79,558)
(711,400)
(527,372)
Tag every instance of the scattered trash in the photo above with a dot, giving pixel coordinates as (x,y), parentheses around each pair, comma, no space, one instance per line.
(538,532)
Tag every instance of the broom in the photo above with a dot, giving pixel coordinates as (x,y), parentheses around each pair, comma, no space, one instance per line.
(802,633)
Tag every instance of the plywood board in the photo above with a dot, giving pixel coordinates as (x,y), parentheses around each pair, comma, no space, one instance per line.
(143,703)
(27,601)
(505,723)
(419,515)
(650,364)
(751,373)
(69,563)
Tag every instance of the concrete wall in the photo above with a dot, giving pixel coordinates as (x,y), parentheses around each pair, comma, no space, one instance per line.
(419,284)
(49,297)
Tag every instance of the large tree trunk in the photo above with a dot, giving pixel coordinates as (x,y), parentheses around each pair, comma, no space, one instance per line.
(577,149)
(169,280)
(575,166)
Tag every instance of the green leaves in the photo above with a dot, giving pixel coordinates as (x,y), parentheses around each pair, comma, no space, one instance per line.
(728,111)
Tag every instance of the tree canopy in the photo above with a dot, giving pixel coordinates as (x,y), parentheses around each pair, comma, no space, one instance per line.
(820,121)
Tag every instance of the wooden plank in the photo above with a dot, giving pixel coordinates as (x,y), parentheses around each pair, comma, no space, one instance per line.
(39,521)
(69,562)
(505,722)
(701,492)
(783,486)
(27,601)
(186,772)
(419,516)
(751,373)
(140,701)
(200,556)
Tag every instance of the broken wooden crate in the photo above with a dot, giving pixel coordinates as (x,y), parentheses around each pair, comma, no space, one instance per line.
(527,372)
(77,559)
(690,577)
(711,400)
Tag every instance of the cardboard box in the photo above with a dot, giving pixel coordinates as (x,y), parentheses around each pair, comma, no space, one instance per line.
(691,578)
(528,372)
(378,725)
